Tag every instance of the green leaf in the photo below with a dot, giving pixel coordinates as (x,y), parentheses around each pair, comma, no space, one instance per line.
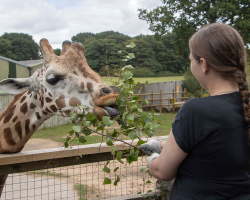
(132,135)
(86,123)
(113,150)
(155,127)
(123,95)
(146,82)
(130,117)
(72,114)
(144,116)
(127,66)
(100,128)
(105,119)
(127,75)
(148,181)
(66,144)
(71,132)
(115,133)
(106,169)
(142,169)
(86,131)
(132,45)
(145,102)
(131,55)
(68,139)
(117,180)
(148,125)
(77,128)
(109,143)
(82,139)
(140,142)
(129,159)
(116,169)
(106,181)
(119,155)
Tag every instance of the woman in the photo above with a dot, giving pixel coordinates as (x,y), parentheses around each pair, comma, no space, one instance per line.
(207,150)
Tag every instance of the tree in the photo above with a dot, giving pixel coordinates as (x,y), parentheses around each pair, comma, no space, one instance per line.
(184,18)
(18,46)
(57,51)
(81,37)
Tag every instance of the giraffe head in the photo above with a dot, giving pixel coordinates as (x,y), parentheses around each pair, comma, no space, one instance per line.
(64,82)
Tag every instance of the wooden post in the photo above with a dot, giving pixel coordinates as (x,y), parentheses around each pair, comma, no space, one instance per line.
(185,91)
(160,102)
(173,100)
(140,97)
(2,183)
(152,102)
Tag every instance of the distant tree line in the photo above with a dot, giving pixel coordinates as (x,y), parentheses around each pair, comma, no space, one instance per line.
(153,58)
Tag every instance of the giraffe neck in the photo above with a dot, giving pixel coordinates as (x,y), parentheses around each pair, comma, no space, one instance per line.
(19,121)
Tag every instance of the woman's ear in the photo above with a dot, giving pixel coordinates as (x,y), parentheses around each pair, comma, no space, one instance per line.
(205,67)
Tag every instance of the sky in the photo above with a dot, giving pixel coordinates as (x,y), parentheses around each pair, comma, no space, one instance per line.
(59,20)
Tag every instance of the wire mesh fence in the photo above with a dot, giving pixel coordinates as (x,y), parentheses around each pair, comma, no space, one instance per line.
(79,181)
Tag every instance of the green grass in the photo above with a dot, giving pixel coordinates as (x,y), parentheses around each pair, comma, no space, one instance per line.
(59,133)
(48,173)
(83,190)
(144,79)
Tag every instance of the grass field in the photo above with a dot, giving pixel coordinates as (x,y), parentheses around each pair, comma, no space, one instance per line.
(143,80)
(58,134)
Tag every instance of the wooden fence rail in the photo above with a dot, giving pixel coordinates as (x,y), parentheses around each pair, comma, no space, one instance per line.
(173,100)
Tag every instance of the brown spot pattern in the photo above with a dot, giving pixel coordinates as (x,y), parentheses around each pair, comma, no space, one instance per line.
(67,112)
(29,92)
(35,96)
(53,108)
(38,115)
(45,113)
(24,108)
(45,89)
(18,129)
(14,119)
(90,87)
(42,102)
(33,126)
(60,102)
(9,115)
(27,128)
(8,137)
(74,102)
(22,99)
(48,100)
(80,92)
(32,106)
(50,94)
(47,110)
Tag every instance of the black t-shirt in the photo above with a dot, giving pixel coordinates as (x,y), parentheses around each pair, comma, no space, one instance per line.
(213,131)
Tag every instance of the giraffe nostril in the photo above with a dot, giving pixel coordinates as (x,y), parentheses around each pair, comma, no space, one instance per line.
(107,90)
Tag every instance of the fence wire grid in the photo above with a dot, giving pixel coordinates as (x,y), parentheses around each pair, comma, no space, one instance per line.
(79,181)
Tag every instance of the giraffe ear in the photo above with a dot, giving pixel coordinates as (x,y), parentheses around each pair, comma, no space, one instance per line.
(16,85)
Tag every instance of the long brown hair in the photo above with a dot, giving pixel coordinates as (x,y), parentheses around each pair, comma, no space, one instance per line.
(223,49)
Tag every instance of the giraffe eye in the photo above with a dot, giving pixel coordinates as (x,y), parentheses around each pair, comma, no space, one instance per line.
(53,81)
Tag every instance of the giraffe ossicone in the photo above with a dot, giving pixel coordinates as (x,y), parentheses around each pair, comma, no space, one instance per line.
(59,87)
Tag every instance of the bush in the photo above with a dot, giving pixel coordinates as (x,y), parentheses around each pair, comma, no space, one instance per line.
(193,87)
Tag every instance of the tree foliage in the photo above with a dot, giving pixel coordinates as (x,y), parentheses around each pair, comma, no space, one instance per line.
(18,46)
(154,58)
(183,18)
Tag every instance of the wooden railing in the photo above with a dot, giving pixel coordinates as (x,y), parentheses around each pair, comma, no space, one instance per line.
(173,102)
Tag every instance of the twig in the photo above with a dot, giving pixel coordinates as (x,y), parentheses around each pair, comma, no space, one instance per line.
(119,141)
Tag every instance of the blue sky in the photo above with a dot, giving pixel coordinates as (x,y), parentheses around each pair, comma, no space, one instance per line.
(59,20)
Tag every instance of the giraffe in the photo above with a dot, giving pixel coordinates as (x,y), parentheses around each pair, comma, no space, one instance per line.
(63,83)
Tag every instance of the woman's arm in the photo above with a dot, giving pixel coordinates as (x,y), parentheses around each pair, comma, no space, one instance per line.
(165,166)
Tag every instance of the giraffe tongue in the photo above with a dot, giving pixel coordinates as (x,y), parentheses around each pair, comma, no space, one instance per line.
(111,111)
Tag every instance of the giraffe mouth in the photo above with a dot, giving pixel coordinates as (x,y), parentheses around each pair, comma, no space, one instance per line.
(111,111)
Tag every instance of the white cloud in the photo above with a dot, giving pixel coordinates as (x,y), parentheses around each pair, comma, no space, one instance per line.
(60,20)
